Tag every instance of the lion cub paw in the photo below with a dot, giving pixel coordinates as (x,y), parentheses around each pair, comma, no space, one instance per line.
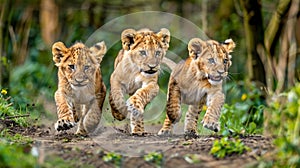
(133,110)
(64,124)
(164,132)
(210,124)
(139,133)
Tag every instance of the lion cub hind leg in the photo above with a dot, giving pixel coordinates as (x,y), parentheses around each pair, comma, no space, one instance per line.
(116,99)
(91,115)
(212,115)
(173,109)
(191,119)
(90,120)
(167,127)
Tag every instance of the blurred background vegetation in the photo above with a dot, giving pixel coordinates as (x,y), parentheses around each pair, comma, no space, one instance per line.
(265,69)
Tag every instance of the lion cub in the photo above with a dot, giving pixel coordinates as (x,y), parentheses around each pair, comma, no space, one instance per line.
(198,81)
(81,91)
(136,73)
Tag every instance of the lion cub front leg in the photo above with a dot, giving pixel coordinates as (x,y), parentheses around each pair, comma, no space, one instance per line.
(215,103)
(136,104)
(65,112)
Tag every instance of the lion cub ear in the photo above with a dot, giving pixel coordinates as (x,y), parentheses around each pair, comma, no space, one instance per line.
(164,35)
(98,51)
(59,50)
(229,45)
(195,47)
(127,38)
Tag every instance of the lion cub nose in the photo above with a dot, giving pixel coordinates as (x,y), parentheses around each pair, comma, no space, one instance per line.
(151,66)
(79,80)
(220,72)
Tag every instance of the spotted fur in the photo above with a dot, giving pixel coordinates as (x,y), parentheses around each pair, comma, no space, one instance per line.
(198,81)
(135,74)
(81,91)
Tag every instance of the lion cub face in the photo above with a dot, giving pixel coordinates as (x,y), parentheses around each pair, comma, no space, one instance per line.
(78,63)
(146,48)
(212,58)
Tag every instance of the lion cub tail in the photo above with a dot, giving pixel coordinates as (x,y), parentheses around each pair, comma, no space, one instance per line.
(171,64)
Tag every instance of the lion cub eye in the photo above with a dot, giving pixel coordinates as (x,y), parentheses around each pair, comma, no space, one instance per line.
(157,53)
(225,61)
(143,53)
(86,67)
(72,67)
(211,60)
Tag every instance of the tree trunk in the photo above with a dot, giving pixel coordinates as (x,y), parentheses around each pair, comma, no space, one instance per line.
(4,40)
(49,21)
(254,37)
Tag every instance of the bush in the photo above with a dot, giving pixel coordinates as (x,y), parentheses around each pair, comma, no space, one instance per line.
(245,114)
(226,147)
(14,155)
(283,121)
(9,113)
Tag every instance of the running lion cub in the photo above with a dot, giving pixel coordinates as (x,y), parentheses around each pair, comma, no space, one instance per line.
(136,73)
(81,91)
(198,81)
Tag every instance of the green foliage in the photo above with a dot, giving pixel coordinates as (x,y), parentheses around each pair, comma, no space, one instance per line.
(245,114)
(283,121)
(114,158)
(154,157)
(7,110)
(32,80)
(226,147)
(15,155)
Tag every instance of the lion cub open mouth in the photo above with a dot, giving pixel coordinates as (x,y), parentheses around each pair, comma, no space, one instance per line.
(150,71)
(215,78)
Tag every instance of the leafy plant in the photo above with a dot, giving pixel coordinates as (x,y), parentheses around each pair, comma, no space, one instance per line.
(283,121)
(245,114)
(15,155)
(225,147)
(154,157)
(8,112)
(114,158)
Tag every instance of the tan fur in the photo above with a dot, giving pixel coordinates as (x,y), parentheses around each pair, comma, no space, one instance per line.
(136,74)
(198,81)
(81,91)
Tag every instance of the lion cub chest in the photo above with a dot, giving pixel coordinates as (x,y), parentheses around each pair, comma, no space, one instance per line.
(82,95)
(192,95)
(136,82)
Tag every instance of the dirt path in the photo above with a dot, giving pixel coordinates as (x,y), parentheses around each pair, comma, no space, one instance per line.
(177,151)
